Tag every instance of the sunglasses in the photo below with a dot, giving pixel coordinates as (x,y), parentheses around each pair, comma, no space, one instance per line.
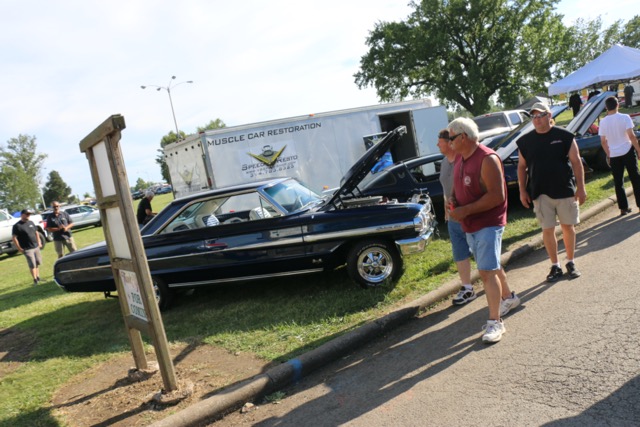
(452,138)
(539,116)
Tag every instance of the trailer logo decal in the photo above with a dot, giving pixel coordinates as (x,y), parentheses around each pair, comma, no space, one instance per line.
(268,156)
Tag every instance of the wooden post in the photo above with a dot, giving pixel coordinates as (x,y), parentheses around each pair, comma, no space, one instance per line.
(126,251)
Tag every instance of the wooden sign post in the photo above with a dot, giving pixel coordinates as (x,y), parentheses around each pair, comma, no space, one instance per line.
(128,259)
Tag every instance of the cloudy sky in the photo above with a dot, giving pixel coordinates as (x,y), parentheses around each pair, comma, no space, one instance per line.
(68,65)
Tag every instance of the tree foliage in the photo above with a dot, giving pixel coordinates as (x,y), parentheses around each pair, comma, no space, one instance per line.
(20,168)
(171,137)
(464,51)
(630,33)
(142,185)
(56,189)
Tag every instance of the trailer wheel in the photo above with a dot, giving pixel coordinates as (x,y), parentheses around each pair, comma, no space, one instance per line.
(164,295)
(372,262)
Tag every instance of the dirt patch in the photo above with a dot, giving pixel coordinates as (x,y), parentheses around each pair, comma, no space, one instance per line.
(107,395)
(15,348)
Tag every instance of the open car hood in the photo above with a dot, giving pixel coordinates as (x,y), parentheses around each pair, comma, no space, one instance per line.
(364,164)
(588,114)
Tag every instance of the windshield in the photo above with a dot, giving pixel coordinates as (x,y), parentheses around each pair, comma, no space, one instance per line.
(491,122)
(293,196)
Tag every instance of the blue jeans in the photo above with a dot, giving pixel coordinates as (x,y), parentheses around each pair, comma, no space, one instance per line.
(486,245)
(458,238)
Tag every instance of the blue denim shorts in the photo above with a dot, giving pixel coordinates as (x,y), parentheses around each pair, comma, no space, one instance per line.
(486,245)
(459,245)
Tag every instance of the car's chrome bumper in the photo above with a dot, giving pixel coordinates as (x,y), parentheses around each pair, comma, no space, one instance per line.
(414,245)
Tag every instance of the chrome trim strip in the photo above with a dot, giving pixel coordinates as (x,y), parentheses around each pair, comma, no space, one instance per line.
(85,269)
(359,232)
(240,279)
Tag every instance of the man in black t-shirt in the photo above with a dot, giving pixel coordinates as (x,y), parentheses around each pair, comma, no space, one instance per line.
(144,212)
(26,239)
(60,223)
(550,174)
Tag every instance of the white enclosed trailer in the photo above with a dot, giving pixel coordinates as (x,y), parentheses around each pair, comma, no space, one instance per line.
(318,149)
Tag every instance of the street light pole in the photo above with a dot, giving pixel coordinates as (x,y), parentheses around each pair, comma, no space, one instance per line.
(168,88)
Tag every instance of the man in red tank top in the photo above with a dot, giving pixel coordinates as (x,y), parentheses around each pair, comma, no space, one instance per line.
(479,202)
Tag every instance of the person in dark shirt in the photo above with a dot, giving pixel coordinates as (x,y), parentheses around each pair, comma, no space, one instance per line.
(26,239)
(575,102)
(628,96)
(60,223)
(144,212)
(550,175)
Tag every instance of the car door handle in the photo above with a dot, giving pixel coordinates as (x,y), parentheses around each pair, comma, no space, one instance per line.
(213,245)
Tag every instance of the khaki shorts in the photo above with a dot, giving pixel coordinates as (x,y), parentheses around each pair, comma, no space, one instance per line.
(61,244)
(34,257)
(546,210)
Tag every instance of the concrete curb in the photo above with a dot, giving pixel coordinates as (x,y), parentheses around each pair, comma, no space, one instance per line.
(293,370)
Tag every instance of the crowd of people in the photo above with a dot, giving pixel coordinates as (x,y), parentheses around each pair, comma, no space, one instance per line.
(551,180)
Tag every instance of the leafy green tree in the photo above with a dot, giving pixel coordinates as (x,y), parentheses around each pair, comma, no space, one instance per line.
(141,184)
(171,138)
(55,189)
(630,33)
(20,168)
(464,51)
(213,124)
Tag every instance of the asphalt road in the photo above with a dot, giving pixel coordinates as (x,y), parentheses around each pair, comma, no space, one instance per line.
(570,356)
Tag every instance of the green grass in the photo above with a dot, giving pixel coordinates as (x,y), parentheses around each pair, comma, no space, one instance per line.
(63,334)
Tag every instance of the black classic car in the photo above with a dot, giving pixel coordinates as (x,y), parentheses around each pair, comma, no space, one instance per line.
(267,229)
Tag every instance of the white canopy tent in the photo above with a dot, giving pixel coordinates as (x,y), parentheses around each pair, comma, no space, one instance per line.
(617,64)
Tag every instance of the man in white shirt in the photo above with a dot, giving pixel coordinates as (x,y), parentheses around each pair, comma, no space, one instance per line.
(621,145)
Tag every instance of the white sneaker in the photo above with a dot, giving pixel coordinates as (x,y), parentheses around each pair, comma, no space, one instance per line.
(506,305)
(493,331)
(465,295)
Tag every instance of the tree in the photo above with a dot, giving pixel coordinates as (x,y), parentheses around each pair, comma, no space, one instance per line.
(20,168)
(141,184)
(464,51)
(630,33)
(171,137)
(56,189)
(213,124)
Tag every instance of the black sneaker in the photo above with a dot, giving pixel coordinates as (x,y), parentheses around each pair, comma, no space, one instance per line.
(554,274)
(573,272)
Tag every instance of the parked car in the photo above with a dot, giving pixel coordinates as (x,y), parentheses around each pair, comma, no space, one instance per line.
(138,194)
(499,122)
(164,189)
(268,229)
(585,127)
(81,215)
